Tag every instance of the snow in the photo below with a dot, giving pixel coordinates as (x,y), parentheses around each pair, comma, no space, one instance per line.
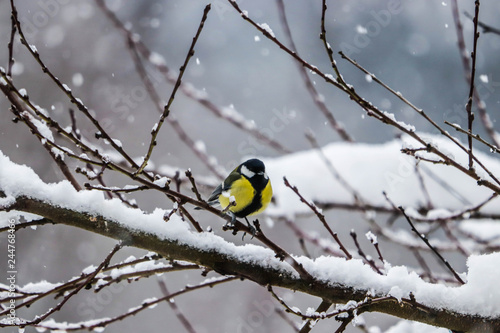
(38,287)
(66,88)
(361,30)
(486,230)
(371,237)
(162,181)
(414,327)
(200,146)
(391,116)
(230,112)
(77,79)
(399,282)
(267,28)
(142,266)
(157,59)
(17,68)
(62,326)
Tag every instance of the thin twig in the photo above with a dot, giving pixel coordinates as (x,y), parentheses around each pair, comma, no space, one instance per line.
(345,322)
(375,112)
(471,172)
(290,322)
(188,89)
(322,307)
(314,239)
(486,27)
(144,305)
(426,241)
(481,106)
(423,264)
(493,148)
(194,188)
(423,187)
(28,119)
(320,216)
(182,318)
(76,101)
(166,109)
(10,46)
(315,95)
(58,307)
(362,253)
(468,106)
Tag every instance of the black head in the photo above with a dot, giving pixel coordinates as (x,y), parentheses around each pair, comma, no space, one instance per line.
(252,167)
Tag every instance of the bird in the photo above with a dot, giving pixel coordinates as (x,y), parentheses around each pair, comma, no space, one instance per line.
(246,191)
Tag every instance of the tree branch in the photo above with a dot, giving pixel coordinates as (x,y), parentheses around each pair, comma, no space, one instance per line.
(258,271)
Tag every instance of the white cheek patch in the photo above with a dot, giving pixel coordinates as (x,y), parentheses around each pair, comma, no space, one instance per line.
(246,172)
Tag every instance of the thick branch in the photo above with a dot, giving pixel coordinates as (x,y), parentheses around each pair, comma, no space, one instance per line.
(257,271)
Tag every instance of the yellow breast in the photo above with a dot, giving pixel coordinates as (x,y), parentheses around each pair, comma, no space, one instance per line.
(243,194)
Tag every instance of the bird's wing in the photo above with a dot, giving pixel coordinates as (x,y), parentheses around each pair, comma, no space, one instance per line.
(215,194)
(226,185)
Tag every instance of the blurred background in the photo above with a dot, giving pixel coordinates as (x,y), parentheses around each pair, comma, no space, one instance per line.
(410,45)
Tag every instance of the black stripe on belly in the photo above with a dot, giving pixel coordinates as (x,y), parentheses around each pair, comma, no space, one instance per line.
(254,206)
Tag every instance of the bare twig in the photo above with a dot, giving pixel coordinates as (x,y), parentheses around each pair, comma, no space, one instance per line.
(10,46)
(423,264)
(295,327)
(430,148)
(166,109)
(345,321)
(313,239)
(486,27)
(481,106)
(320,216)
(378,114)
(188,89)
(309,324)
(315,95)
(468,106)
(79,104)
(493,148)
(194,188)
(426,241)
(182,318)
(58,307)
(144,305)
(423,187)
(373,239)
(363,255)
(47,144)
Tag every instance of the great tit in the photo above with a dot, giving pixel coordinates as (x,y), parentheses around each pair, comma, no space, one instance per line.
(248,186)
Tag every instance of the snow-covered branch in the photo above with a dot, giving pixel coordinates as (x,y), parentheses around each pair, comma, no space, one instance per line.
(398,292)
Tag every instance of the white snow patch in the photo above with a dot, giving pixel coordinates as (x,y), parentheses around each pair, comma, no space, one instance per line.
(267,28)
